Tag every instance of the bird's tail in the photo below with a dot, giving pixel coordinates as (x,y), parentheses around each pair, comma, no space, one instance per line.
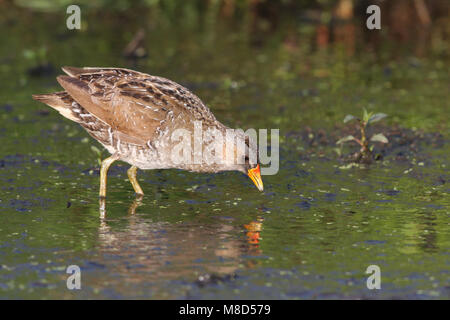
(60,101)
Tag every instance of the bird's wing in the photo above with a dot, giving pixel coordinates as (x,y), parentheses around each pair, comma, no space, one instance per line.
(72,110)
(134,103)
(74,71)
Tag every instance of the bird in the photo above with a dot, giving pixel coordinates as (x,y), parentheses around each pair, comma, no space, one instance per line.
(135,115)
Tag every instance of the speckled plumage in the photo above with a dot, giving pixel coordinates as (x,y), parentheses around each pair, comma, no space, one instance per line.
(132,114)
(135,117)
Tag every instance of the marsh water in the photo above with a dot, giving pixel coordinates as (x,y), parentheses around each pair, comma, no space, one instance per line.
(312,233)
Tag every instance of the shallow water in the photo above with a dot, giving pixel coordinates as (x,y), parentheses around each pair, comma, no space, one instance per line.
(311,234)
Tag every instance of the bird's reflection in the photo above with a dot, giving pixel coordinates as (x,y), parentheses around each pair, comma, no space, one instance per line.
(145,249)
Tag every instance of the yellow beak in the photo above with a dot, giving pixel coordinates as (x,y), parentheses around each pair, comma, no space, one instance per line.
(255,175)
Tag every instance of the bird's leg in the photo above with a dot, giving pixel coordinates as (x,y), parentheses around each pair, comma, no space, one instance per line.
(104,172)
(132,176)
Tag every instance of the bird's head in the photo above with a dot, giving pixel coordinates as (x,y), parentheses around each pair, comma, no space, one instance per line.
(240,153)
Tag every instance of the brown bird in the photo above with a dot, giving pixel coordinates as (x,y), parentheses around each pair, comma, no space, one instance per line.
(135,116)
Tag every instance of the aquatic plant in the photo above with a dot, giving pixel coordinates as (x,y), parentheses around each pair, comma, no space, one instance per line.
(365,153)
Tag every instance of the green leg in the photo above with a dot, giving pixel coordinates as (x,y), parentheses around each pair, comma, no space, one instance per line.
(104,172)
(132,176)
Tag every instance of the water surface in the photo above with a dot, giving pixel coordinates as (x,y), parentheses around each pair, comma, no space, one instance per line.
(311,234)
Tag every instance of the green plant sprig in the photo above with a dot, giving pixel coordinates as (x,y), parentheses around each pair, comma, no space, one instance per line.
(368,118)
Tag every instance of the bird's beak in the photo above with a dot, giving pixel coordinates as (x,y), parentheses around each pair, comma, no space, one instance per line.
(255,175)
